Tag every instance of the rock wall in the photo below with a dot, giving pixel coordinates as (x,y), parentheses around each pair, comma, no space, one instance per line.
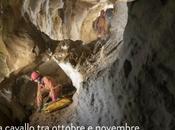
(149,44)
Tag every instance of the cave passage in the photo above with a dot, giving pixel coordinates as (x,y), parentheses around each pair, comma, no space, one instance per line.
(114,57)
(20,97)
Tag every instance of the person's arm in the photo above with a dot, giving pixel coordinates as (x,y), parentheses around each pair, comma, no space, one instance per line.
(52,86)
(52,95)
(52,91)
(39,96)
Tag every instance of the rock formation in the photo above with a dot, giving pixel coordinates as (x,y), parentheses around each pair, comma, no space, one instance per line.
(127,77)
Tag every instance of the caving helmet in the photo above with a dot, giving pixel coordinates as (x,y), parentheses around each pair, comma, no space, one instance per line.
(34,75)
